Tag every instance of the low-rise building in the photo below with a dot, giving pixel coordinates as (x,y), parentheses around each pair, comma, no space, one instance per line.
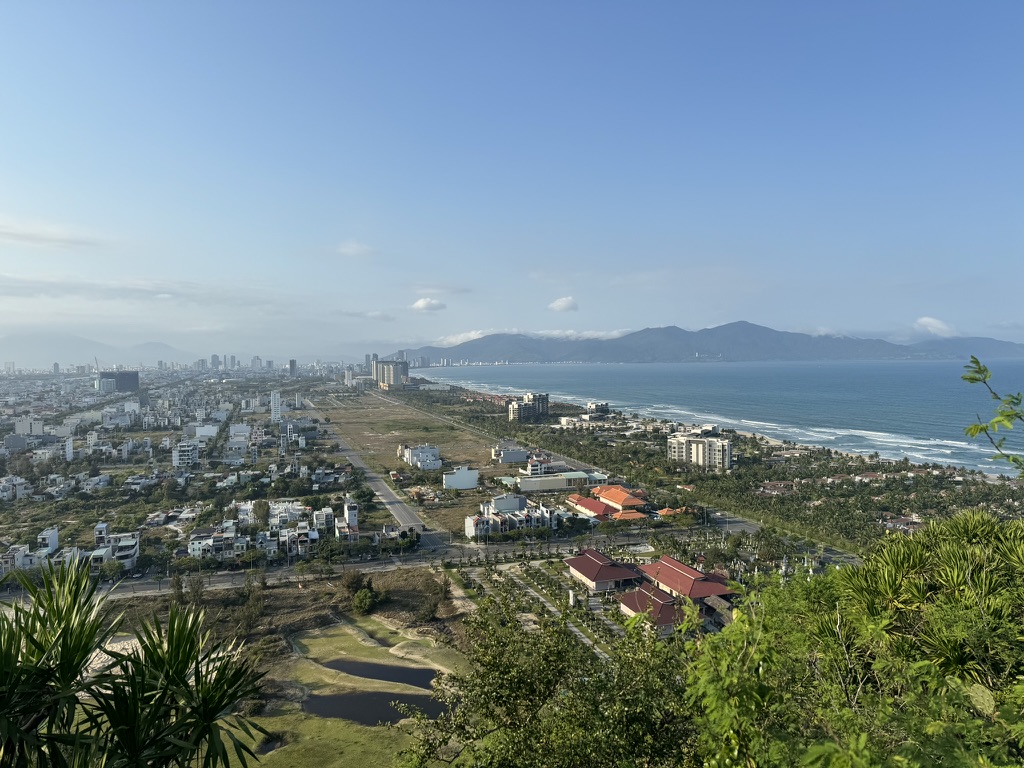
(460,478)
(600,573)
(425,457)
(509,454)
(660,606)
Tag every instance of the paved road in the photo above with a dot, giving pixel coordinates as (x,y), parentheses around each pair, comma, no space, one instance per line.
(404,515)
(722,519)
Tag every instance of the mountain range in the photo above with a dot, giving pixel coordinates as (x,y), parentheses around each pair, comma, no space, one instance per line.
(41,350)
(739,341)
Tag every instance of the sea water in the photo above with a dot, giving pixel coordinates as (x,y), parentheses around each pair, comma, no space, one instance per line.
(899,409)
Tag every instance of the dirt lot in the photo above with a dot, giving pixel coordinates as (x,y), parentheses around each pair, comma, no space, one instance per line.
(375,428)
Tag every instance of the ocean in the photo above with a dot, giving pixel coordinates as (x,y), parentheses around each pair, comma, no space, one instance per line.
(912,409)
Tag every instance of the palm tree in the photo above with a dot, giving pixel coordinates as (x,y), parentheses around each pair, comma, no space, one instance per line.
(47,644)
(166,701)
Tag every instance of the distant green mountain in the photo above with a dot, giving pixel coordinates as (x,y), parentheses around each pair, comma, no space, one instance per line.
(739,341)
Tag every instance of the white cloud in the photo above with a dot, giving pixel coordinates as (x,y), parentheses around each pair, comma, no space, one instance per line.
(564,304)
(353,249)
(428,305)
(42,235)
(578,335)
(460,338)
(934,326)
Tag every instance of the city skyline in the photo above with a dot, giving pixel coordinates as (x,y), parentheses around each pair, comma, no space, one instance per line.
(349,177)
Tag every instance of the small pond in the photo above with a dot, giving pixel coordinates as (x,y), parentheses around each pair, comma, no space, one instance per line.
(368,707)
(421,677)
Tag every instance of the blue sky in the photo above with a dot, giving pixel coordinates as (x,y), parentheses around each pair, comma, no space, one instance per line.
(317,177)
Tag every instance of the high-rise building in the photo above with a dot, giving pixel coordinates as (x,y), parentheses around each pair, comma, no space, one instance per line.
(215,362)
(56,368)
(708,452)
(118,381)
(532,405)
(232,362)
(275,407)
(270,365)
(293,368)
(256,363)
(392,374)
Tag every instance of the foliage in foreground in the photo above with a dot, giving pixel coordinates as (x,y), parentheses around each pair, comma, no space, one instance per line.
(166,700)
(914,658)
(1008,411)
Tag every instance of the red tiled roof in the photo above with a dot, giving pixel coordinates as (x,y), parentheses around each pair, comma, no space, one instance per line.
(627,515)
(668,511)
(617,496)
(674,576)
(658,604)
(593,506)
(595,566)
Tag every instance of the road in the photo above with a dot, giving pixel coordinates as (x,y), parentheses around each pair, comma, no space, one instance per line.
(404,515)
(721,519)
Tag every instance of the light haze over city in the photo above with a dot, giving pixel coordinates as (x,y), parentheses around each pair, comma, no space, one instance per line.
(330,178)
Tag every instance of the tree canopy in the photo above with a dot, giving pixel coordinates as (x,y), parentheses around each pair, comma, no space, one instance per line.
(914,658)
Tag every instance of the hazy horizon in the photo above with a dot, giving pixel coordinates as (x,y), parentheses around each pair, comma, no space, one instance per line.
(40,349)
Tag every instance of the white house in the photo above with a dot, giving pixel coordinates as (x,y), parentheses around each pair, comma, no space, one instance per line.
(509,454)
(426,457)
(461,478)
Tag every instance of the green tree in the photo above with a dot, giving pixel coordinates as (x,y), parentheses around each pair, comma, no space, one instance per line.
(261,511)
(542,698)
(165,701)
(177,589)
(196,588)
(112,570)
(364,600)
(1008,411)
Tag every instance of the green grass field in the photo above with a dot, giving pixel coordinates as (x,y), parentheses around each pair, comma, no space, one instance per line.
(325,742)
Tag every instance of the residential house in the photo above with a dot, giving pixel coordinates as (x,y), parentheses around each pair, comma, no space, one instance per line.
(461,478)
(425,457)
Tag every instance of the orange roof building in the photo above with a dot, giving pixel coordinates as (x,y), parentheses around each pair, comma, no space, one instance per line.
(629,515)
(617,496)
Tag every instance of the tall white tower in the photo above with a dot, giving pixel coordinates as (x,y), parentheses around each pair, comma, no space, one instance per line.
(351,515)
(275,406)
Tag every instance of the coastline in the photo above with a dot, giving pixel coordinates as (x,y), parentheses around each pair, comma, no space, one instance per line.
(915,412)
